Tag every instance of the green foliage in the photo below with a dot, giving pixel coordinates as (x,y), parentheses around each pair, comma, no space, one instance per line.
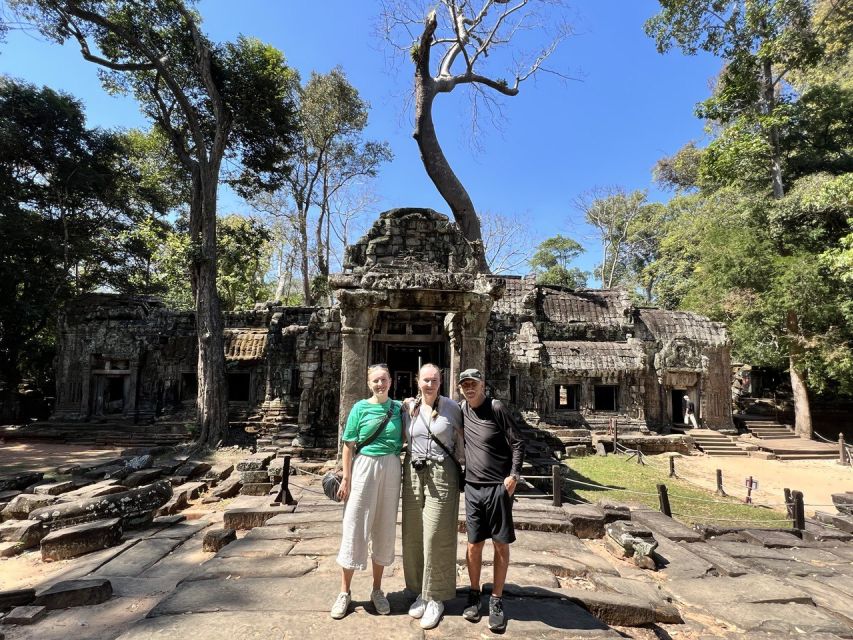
(551,263)
(690,504)
(681,170)
(69,196)
(243,250)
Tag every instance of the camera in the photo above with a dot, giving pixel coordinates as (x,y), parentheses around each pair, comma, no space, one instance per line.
(418,465)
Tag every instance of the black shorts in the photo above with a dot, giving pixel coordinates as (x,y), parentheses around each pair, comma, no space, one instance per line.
(488,513)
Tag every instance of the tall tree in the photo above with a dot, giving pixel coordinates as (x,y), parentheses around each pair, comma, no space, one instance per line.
(552,259)
(210,101)
(68,195)
(763,42)
(612,211)
(506,241)
(458,44)
(329,156)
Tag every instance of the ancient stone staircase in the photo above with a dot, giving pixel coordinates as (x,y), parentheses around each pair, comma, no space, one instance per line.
(102,434)
(768,429)
(714,443)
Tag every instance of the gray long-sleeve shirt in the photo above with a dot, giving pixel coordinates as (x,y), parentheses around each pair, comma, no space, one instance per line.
(494,447)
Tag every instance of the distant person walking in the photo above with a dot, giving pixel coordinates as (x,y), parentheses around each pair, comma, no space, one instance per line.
(371,488)
(433,426)
(689,409)
(494,453)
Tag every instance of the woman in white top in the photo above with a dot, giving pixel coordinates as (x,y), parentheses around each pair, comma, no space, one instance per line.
(431,497)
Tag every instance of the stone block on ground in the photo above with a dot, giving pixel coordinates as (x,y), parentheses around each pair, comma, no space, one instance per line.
(95,490)
(587,521)
(240,568)
(137,558)
(250,517)
(75,593)
(779,620)
(20,507)
(255,462)
(842,501)
(26,533)
(192,489)
(622,609)
(25,615)
(218,538)
(675,561)
(182,531)
(745,550)
(228,488)
(71,542)
(748,589)
(10,549)
(168,521)
(16,598)
(55,488)
(722,562)
(770,538)
(12,481)
(142,477)
(219,472)
(664,525)
(256,488)
(137,463)
(837,602)
(844,523)
(253,548)
(193,469)
(129,504)
(311,518)
(818,533)
(175,504)
(614,511)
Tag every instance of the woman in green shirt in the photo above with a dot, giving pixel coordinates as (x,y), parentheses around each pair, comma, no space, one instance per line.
(371,488)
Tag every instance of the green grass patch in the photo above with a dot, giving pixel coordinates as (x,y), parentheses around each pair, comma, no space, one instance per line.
(690,504)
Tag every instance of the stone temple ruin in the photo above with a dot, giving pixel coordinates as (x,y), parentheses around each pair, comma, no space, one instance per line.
(570,360)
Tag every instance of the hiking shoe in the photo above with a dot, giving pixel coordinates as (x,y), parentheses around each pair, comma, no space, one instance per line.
(417,608)
(497,620)
(339,608)
(471,612)
(383,607)
(432,614)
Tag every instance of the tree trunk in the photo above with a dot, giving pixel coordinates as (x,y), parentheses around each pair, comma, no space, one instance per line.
(799,386)
(212,402)
(307,299)
(436,164)
(769,99)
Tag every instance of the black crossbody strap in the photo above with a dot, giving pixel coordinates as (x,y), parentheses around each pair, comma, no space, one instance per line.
(436,440)
(359,446)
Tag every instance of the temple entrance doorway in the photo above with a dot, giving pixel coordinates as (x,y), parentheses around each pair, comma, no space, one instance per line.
(677,397)
(405,341)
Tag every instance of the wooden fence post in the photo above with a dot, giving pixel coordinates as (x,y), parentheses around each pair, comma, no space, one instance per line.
(663,497)
(720,490)
(799,510)
(557,481)
(789,503)
(842,451)
(671,467)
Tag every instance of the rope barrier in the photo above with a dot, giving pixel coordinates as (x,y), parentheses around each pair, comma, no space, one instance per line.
(299,486)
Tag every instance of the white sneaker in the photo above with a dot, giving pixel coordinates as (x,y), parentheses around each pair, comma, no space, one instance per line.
(432,614)
(339,608)
(383,607)
(417,608)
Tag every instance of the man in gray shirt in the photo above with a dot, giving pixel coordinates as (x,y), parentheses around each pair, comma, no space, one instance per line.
(494,453)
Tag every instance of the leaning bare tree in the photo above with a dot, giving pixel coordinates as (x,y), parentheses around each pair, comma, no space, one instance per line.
(466,43)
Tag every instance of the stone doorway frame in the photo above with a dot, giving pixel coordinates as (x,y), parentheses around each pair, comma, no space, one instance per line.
(466,317)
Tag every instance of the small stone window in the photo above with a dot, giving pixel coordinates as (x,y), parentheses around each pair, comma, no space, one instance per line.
(397,328)
(238,387)
(567,397)
(606,396)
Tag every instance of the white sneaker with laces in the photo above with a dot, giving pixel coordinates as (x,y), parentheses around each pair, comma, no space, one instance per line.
(339,608)
(417,608)
(432,614)
(383,607)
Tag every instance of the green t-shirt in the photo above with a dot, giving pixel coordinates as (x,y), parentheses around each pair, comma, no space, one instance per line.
(365,417)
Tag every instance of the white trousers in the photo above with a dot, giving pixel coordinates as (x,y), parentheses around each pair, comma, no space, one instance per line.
(370,514)
(690,418)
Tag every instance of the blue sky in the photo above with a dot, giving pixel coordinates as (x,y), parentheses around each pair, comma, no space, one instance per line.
(628,107)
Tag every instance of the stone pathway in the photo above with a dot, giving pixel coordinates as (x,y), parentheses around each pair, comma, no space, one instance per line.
(278,579)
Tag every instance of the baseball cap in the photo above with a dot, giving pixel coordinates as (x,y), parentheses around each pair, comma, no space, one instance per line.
(471,374)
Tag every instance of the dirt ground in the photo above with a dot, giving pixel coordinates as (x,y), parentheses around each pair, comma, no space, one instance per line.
(43,456)
(817,479)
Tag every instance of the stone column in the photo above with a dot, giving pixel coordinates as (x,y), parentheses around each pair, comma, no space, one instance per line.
(474,324)
(356,328)
(453,330)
